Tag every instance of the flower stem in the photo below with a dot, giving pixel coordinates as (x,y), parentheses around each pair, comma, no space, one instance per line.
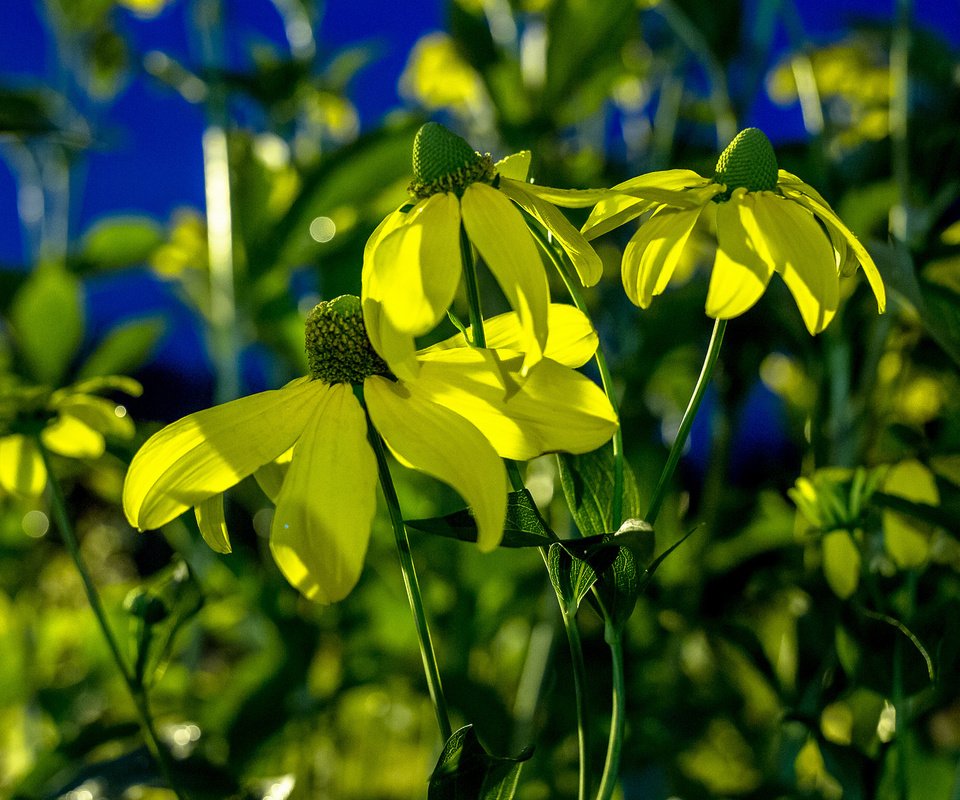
(430,668)
(137,692)
(579,683)
(676,450)
(606,378)
(611,767)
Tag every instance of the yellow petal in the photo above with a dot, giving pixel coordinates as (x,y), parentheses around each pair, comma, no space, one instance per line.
(417,265)
(213,524)
(613,211)
(441,443)
(22,471)
(515,167)
(789,239)
(841,563)
(325,509)
(208,452)
(270,476)
(97,413)
(651,255)
(568,198)
(807,197)
(739,275)
(71,437)
(587,263)
(554,408)
(571,339)
(498,231)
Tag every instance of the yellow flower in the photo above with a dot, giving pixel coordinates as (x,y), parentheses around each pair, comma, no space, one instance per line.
(412,262)
(766,220)
(71,422)
(307,444)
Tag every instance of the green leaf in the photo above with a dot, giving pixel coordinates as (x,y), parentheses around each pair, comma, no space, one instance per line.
(120,241)
(47,315)
(587,482)
(124,349)
(522,527)
(465,771)
(841,563)
(618,588)
(571,577)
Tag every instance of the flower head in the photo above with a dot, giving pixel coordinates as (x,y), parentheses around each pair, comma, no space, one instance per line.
(461,198)
(307,443)
(765,220)
(72,422)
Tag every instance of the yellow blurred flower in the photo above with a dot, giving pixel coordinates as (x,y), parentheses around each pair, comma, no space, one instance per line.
(765,220)
(412,263)
(72,422)
(437,77)
(307,444)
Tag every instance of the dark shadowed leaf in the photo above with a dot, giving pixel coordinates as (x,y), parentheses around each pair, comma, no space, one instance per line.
(465,771)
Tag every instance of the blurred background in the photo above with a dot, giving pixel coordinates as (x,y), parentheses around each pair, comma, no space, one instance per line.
(181,180)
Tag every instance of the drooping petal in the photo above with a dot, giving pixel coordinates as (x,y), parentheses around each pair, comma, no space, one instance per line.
(441,443)
(571,338)
(417,265)
(270,476)
(568,198)
(554,408)
(739,277)
(396,348)
(613,211)
(208,452)
(213,524)
(587,263)
(788,237)
(321,527)
(837,228)
(22,470)
(651,255)
(499,233)
(73,438)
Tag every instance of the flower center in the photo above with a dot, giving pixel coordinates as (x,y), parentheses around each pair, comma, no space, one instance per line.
(748,162)
(444,162)
(338,350)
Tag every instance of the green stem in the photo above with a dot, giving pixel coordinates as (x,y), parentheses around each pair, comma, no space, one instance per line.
(611,767)
(676,450)
(579,685)
(606,378)
(430,668)
(137,691)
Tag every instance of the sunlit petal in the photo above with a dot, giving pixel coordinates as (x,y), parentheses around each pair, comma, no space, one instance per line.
(99,414)
(587,263)
(443,444)
(514,167)
(71,437)
(568,198)
(205,453)
(789,238)
(22,470)
(325,509)
(554,409)
(651,255)
(270,476)
(571,339)
(613,211)
(827,215)
(739,276)
(418,265)
(499,233)
(396,348)
(213,524)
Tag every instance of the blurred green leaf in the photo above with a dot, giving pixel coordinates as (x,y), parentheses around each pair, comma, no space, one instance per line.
(522,527)
(120,241)
(465,771)
(124,349)
(47,315)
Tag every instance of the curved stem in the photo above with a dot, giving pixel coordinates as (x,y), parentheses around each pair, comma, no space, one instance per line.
(611,767)
(430,668)
(606,378)
(135,688)
(676,450)
(579,684)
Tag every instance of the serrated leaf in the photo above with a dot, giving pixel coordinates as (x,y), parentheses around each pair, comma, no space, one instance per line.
(587,483)
(571,577)
(522,527)
(465,771)
(47,315)
(124,349)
